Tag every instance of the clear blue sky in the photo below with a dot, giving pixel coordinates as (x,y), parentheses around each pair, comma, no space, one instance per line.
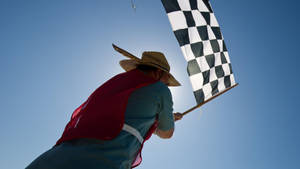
(55,53)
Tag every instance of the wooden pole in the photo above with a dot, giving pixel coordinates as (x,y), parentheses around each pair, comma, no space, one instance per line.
(206,101)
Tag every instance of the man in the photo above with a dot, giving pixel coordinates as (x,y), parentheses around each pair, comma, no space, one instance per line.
(109,129)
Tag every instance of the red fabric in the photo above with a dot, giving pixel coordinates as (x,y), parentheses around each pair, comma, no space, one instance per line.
(138,159)
(102,115)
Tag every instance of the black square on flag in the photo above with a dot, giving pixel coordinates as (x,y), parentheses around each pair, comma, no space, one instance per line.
(223,58)
(206,77)
(210,59)
(182,36)
(193,67)
(189,18)
(202,30)
(219,71)
(197,49)
(215,46)
(217,32)
(214,87)
(193,4)
(171,5)
(227,81)
(224,46)
(199,95)
(206,16)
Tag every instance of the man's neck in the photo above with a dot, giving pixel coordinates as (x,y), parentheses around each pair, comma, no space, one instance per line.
(150,74)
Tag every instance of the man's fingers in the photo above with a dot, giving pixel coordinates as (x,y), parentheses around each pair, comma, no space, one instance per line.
(177,116)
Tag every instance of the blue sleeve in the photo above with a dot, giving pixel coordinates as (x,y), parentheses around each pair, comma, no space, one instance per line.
(165,115)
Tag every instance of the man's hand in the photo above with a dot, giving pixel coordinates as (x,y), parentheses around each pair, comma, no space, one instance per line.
(177,116)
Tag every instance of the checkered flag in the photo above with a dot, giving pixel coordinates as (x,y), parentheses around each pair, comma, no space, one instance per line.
(198,33)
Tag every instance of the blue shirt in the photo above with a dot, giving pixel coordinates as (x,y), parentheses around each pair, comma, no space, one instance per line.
(143,106)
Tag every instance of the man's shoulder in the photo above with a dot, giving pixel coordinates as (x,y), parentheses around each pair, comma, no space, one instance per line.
(160,88)
(160,85)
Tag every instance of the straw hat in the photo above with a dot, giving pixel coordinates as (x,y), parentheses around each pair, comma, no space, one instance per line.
(154,59)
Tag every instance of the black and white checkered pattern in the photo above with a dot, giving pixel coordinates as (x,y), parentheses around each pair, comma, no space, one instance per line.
(198,33)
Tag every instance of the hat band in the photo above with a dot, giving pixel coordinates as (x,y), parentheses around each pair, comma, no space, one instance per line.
(163,68)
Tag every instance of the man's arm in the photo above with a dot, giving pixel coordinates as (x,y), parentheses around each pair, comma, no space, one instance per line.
(164,134)
(168,133)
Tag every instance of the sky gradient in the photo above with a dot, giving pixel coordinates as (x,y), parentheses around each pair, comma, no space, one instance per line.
(55,53)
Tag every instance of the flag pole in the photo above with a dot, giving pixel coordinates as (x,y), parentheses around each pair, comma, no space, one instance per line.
(206,101)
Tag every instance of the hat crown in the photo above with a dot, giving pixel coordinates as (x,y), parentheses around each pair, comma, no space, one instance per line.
(151,58)
(157,59)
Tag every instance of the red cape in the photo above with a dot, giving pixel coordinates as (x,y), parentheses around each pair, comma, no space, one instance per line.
(102,116)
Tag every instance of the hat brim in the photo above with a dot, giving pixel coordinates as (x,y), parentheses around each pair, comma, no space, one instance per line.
(130,64)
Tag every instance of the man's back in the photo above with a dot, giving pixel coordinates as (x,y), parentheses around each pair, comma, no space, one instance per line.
(144,106)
